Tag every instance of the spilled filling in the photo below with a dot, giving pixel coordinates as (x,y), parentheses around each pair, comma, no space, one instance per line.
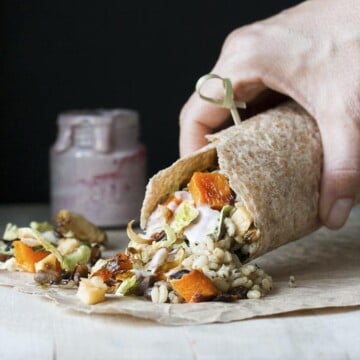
(57,255)
(193,248)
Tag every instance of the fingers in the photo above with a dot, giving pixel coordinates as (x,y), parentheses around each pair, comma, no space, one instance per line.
(238,61)
(199,118)
(341,170)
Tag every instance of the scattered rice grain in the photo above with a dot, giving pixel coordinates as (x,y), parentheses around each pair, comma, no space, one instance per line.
(266,284)
(224,271)
(213,258)
(253,294)
(173,298)
(249,284)
(154,294)
(242,281)
(291,282)
(248,269)
(163,293)
(200,262)
(219,253)
(227,257)
(213,266)
(221,284)
(210,243)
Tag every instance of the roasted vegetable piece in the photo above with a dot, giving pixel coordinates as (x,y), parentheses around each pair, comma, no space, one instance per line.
(195,287)
(91,291)
(48,277)
(80,271)
(81,228)
(26,257)
(50,262)
(210,188)
(115,268)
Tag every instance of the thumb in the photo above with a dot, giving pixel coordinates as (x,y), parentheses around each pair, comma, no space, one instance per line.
(199,118)
(341,170)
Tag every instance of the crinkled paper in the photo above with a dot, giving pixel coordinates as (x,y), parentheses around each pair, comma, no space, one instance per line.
(326,267)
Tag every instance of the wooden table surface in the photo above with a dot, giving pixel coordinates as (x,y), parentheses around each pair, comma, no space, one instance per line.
(34,328)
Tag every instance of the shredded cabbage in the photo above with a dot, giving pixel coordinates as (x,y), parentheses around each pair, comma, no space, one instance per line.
(80,256)
(125,286)
(225,211)
(185,214)
(11,232)
(133,236)
(170,238)
(5,249)
(41,226)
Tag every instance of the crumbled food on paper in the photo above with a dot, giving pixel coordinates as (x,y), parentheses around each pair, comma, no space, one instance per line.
(194,249)
(47,251)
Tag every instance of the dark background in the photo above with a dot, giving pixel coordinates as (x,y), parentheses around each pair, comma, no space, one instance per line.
(59,55)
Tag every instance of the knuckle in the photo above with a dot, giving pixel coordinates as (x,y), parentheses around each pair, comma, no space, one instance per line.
(345,173)
(246,40)
(344,180)
(241,53)
(351,109)
(232,38)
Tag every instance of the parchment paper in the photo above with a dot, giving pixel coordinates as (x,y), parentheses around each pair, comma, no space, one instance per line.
(326,266)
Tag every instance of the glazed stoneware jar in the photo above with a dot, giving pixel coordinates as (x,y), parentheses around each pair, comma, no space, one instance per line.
(98,166)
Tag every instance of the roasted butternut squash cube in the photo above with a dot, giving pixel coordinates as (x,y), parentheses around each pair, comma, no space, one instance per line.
(26,257)
(210,188)
(195,287)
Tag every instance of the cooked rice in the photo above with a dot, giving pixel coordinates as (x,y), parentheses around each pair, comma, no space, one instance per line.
(217,259)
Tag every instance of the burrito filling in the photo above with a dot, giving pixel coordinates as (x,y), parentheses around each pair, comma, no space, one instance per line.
(193,249)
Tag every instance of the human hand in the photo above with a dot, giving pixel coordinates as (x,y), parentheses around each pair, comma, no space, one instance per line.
(311,53)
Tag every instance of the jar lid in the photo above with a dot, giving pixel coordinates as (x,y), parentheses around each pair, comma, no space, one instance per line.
(98,117)
(104,120)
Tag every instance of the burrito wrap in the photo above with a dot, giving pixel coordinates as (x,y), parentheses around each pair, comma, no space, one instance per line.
(273,162)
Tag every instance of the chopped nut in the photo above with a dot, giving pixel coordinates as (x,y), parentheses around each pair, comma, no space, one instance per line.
(242,220)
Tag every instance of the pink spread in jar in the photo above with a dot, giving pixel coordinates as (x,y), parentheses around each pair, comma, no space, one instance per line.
(98,167)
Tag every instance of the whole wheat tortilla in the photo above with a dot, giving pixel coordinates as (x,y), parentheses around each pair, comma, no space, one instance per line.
(273,163)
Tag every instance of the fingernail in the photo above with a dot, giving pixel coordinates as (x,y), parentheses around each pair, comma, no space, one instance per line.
(339,213)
